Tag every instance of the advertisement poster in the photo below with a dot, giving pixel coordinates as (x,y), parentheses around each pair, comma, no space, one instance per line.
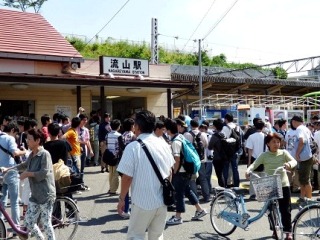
(311,113)
(292,113)
(256,112)
(279,114)
(64,110)
(243,119)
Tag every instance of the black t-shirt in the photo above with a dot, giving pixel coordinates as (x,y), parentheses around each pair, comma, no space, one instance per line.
(58,149)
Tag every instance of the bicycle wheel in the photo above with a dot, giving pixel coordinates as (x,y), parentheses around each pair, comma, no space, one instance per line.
(65,218)
(275,220)
(3,230)
(307,223)
(223,202)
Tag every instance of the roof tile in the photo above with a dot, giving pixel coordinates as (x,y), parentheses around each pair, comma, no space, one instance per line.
(30,33)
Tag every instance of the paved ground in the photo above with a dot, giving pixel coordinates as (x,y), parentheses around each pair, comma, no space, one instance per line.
(105,223)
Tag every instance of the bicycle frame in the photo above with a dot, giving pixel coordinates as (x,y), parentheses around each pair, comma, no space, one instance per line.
(243,219)
(23,234)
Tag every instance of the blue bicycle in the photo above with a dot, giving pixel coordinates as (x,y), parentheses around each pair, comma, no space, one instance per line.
(228,208)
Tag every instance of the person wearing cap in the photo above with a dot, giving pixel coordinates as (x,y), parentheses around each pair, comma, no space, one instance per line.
(304,157)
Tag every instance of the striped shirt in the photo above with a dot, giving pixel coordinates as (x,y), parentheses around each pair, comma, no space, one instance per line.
(146,188)
(112,142)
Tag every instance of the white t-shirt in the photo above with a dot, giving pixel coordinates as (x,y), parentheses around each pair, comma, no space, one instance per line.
(304,133)
(146,188)
(256,143)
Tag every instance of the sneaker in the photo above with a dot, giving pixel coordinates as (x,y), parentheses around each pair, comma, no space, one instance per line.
(125,215)
(84,188)
(301,200)
(252,197)
(174,221)
(199,214)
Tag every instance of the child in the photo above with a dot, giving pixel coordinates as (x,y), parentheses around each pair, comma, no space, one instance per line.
(271,160)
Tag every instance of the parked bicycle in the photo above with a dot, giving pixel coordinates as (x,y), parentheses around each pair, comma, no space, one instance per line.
(228,208)
(65,220)
(306,224)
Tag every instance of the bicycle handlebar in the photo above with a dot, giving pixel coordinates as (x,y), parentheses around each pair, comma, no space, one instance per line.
(275,171)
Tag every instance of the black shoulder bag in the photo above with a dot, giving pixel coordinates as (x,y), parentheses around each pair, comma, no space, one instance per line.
(168,188)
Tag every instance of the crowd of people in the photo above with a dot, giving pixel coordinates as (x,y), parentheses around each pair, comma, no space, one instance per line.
(28,153)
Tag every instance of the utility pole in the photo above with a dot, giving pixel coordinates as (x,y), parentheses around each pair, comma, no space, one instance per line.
(200,80)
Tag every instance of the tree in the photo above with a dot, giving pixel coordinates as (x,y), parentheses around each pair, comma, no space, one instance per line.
(24,4)
(280,73)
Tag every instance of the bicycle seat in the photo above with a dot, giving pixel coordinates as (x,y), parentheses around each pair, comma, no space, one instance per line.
(240,191)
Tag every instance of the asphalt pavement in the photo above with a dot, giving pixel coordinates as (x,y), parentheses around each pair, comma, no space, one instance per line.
(105,223)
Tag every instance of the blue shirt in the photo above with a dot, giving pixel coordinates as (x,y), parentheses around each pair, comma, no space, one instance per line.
(8,142)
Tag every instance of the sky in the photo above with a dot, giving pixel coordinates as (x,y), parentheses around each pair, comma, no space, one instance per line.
(255,31)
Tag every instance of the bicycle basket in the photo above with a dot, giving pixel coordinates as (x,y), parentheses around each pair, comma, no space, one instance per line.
(267,188)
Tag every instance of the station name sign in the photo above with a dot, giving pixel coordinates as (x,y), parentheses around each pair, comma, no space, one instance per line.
(124,66)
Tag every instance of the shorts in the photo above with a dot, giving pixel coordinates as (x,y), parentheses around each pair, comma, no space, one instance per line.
(305,171)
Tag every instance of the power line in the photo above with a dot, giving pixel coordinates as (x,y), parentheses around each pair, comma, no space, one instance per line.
(204,16)
(109,21)
(105,27)
(217,23)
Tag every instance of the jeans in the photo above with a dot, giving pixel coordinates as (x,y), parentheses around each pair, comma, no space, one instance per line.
(96,149)
(234,167)
(203,183)
(181,183)
(75,164)
(82,163)
(208,170)
(11,186)
(218,168)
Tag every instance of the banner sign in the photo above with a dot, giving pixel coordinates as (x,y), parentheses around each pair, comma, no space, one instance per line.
(124,66)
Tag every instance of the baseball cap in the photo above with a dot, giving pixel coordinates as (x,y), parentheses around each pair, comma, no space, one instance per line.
(297,118)
(181,123)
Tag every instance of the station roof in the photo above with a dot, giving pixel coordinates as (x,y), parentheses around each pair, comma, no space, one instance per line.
(212,85)
(30,36)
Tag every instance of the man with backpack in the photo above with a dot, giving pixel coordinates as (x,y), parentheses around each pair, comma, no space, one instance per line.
(232,132)
(200,143)
(181,178)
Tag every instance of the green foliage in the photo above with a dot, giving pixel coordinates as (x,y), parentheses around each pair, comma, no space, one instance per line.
(142,50)
(280,73)
(24,4)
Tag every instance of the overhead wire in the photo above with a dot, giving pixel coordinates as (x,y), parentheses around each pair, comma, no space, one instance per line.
(104,28)
(217,23)
(204,16)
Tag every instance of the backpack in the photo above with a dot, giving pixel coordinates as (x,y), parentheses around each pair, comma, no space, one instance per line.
(230,145)
(190,160)
(109,158)
(313,146)
(198,144)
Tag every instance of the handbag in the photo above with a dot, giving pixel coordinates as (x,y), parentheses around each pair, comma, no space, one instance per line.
(168,188)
